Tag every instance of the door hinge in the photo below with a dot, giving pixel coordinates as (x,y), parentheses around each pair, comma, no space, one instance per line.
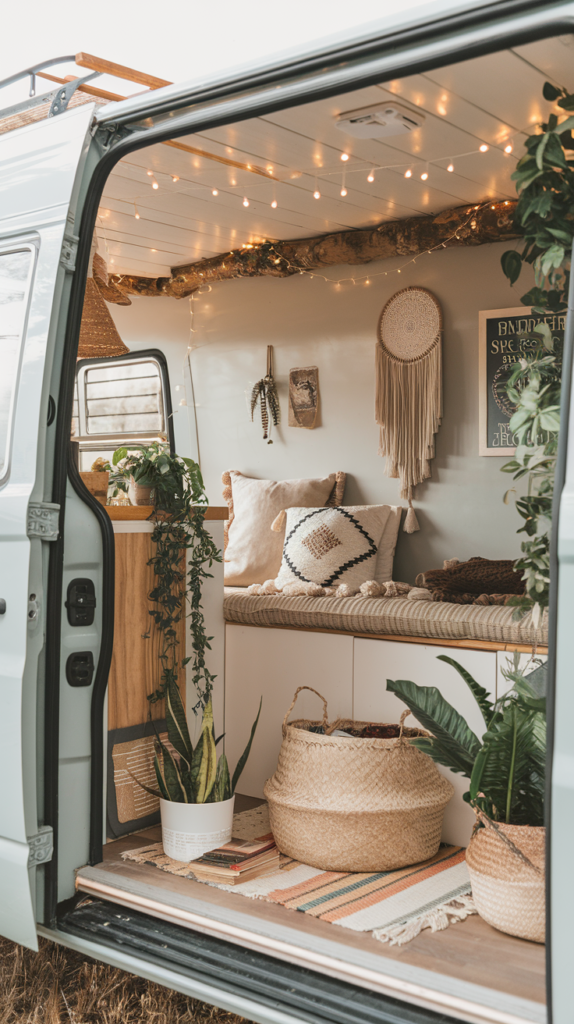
(69,253)
(43,520)
(41,845)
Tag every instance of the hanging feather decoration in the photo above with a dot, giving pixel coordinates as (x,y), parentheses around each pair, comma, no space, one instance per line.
(265,392)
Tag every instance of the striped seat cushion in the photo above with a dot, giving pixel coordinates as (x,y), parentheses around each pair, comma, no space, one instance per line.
(398,616)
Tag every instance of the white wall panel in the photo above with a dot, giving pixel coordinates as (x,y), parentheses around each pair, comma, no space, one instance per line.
(272,663)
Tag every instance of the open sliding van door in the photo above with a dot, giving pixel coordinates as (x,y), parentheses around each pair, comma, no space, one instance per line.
(40,171)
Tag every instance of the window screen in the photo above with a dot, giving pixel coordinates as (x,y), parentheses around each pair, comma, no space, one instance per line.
(120,400)
(15,270)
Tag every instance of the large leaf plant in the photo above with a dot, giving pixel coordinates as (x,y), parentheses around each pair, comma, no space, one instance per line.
(506,766)
(545,184)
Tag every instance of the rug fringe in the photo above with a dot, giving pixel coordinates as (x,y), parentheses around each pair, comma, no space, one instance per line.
(437,920)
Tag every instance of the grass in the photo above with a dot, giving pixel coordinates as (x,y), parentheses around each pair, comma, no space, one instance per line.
(60,986)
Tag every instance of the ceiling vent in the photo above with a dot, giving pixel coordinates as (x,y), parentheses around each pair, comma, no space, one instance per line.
(379,121)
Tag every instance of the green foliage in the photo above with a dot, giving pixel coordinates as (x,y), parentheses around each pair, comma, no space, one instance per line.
(196,776)
(545,184)
(180,504)
(506,770)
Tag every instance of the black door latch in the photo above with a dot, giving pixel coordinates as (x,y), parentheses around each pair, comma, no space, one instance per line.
(80,668)
(81,603)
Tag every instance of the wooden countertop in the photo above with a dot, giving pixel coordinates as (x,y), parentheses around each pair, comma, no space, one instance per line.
(134,513)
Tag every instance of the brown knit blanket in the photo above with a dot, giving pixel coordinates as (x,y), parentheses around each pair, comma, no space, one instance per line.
(478,581)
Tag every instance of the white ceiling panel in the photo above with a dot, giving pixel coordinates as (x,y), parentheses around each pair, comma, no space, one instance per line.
(553,57)
(492,100)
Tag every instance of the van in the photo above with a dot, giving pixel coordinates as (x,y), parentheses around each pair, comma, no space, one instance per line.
(122,324)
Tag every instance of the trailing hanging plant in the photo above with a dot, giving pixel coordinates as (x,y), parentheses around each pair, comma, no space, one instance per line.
(545,183)
(507,769)
(180,505)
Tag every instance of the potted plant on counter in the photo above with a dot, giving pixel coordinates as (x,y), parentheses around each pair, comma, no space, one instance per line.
(505,856)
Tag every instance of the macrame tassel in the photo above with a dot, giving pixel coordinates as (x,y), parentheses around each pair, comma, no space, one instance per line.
(411,521)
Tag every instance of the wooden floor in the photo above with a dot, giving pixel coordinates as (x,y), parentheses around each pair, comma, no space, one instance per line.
(470,951)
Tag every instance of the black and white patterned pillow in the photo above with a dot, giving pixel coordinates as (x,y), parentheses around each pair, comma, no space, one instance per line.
(330,546)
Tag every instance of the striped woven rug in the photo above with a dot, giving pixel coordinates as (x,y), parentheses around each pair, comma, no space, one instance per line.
(394,905)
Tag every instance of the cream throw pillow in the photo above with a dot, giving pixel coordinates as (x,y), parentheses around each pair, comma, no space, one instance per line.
(253,551)
(387,546)
(330,546)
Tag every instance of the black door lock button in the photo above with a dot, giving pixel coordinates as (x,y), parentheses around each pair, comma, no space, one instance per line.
(81,603)
(80,668)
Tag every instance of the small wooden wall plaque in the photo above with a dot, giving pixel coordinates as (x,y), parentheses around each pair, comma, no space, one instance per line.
(303,396)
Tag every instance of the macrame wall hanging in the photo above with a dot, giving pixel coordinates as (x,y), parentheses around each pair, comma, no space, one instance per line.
(408,404)
(265,392)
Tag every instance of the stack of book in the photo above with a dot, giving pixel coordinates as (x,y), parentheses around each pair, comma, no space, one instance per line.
(238,861)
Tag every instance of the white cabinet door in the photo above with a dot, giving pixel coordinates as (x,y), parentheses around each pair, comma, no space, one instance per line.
(272,663)
(376,661)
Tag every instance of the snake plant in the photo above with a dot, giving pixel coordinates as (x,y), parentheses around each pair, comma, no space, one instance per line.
(193,776)
(506,767)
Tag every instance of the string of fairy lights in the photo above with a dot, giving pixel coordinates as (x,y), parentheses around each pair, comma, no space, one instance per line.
(412,168)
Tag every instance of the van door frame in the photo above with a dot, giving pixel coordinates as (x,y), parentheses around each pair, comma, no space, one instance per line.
(492,27)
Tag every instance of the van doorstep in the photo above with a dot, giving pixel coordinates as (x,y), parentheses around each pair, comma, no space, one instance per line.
(296,991)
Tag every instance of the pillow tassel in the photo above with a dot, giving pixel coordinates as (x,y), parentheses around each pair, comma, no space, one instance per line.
(411,521)
(278,523)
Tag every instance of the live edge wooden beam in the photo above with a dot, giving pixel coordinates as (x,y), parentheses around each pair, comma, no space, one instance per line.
(462,226)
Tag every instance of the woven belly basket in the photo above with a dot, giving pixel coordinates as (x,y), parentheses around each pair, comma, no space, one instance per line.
(354,804)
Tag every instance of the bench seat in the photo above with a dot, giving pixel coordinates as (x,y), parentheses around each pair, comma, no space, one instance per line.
(385,616)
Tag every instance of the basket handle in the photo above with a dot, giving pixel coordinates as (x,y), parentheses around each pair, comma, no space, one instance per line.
(404,715)
(505,839)
(293,702)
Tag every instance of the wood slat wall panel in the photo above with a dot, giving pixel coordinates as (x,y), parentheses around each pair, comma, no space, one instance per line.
(135,668)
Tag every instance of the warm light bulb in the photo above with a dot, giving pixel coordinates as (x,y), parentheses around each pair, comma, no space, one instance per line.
(174,177)
(450,168)
(150,174)
(154,184)
(483,148)
(137,216)
(424,175)
(508,149)
(343,191)
(344,157)
(274,204)
(408,174)
(214,192)
(371,177)
(246,201)
(367,281)
(153,250)
(316,194)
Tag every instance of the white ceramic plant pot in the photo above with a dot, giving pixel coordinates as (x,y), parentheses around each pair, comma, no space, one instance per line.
(190,830)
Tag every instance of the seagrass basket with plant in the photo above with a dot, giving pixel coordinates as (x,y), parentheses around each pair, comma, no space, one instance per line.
(506,770)
(355,796)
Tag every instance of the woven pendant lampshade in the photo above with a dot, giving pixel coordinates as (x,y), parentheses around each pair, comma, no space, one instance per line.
(98,333)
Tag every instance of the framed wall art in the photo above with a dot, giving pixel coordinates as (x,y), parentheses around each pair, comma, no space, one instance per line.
(504,335)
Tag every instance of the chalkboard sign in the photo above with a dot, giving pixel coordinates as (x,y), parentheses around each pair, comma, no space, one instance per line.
(505,335)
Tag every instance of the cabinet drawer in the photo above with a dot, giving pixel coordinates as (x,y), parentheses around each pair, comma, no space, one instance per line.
(272,663)
(375,661)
